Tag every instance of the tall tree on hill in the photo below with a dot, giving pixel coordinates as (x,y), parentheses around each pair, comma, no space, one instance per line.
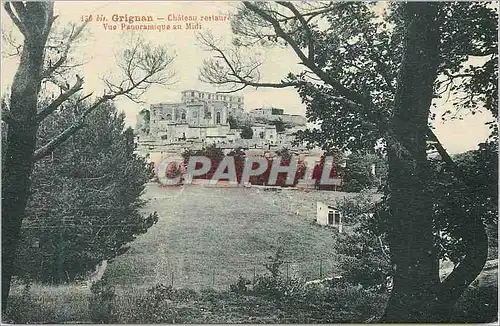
(85,200)
(45,57)
(368,81)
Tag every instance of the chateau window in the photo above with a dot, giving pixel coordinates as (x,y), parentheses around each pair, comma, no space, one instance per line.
(192,93)
(261,135)
(195,114)
(217,118)
(169,117)
(183,116)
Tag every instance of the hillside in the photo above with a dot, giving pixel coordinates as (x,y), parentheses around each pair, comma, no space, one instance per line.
(208,237)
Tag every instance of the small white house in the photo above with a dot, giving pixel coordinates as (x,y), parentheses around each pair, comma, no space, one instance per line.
(328,215)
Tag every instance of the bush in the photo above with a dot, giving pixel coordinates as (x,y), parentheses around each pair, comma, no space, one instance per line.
(101,302)
(477,305)
(241,285)
(24,309)
(164,304)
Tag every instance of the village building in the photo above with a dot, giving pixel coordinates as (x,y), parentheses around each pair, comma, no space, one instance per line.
(265,134)
(275,114)
(328,215)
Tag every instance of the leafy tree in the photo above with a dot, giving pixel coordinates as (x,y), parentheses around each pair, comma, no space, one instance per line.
(368,81)
(280,125)
(44,57)
(358,173)
(364,253)
(144,120)
(275,111)
(85,198)
(233,123)
(456,205)
(246,132)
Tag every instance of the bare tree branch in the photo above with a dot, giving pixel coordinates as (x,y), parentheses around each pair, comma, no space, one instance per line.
(15,19)
(73,37)
(305,26)
(10,41)
(237,72)
(60,99)
(142,67)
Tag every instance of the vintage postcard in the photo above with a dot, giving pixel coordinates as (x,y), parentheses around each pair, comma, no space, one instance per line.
(225,162)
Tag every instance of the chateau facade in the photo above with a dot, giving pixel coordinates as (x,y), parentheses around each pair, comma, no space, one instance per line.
(202,119)
(234,103)
(173,122)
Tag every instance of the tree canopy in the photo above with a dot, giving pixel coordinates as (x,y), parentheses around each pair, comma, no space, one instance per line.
(372,77)
(85,200)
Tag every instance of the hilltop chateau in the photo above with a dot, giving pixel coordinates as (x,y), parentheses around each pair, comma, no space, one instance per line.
(204,118)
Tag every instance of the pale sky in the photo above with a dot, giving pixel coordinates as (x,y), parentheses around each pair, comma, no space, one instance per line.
(99,48)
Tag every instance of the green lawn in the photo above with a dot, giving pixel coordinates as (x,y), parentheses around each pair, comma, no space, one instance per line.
(207,237)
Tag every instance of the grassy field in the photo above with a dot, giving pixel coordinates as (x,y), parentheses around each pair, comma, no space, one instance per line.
(208,237)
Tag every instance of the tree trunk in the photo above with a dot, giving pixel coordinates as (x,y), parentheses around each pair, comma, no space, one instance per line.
(414,258)
(20,146)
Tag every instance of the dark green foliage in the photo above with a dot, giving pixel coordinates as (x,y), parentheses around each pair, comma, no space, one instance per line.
(246,132)
(470,29)
(280,125)
(85,200)
(215,155)
(233,123)
(18,308)
(275,111)
(358,172)
(159,306)
(479,304)
(369,66)
(356,65)
(365,254)
(456,204)
(241,286)
(145,115)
